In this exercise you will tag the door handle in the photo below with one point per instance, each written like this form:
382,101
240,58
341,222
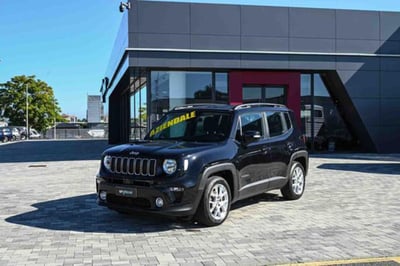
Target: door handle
266,149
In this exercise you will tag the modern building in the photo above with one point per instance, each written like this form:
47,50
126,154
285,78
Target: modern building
94,109
339,70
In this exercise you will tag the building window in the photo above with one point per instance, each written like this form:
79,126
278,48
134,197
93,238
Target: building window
221,88
322,124
174,88
138,109
264,94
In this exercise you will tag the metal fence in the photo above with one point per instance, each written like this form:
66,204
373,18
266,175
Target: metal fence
78,133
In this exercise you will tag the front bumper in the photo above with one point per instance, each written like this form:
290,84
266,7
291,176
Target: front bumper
131,198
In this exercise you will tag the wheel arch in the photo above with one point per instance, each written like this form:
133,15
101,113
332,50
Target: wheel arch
226,171
302,158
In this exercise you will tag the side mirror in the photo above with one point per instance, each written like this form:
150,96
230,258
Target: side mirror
251,136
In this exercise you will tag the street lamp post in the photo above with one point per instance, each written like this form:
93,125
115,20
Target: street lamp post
55,120
27,112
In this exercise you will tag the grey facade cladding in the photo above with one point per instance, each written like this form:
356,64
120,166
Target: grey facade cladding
372,82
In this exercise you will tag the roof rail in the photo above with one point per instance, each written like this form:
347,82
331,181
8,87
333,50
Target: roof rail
249,105
188,106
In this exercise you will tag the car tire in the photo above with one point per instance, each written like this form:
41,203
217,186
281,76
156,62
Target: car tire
294,188
5,139
215,203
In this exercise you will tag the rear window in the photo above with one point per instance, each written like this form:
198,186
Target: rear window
278,123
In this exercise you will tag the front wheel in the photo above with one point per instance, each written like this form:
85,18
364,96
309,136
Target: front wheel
297,180
216,202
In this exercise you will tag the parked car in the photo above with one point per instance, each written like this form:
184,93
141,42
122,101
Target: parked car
5,134
33,134
15,134
199,159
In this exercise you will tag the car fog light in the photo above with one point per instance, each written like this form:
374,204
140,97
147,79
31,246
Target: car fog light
159,202
103,195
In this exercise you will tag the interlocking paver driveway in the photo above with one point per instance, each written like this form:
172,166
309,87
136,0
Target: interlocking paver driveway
48,215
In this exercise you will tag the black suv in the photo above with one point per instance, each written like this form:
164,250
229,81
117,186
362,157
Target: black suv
199,159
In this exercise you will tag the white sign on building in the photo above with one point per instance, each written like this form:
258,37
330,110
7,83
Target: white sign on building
94,109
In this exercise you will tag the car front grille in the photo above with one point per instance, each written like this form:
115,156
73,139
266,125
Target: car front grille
134,166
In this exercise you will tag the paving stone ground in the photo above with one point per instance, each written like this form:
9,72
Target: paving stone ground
48,215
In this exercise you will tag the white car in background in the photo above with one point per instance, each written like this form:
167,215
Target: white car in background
96,133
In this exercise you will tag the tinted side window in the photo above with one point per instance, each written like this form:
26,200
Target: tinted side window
275,124
250,122
288,121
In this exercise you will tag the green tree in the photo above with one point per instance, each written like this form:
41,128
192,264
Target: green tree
43,107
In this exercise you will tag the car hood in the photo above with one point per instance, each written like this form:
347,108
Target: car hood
160,148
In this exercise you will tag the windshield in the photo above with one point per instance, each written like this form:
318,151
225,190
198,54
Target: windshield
193,126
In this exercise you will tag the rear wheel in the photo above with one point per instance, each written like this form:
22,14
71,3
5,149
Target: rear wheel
297,180
216,202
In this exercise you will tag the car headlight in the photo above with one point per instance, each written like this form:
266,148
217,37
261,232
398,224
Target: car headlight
169,166
107,162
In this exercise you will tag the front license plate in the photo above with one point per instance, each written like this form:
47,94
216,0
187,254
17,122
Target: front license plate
126,192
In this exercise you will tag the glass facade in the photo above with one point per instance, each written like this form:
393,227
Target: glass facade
138,108
174,88
322,124
153,93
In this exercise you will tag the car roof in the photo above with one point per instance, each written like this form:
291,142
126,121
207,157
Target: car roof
227,107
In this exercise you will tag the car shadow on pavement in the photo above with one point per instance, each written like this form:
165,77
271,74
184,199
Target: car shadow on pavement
82,214
265,197
373,168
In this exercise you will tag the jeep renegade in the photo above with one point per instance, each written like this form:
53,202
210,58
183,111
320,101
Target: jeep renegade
199,159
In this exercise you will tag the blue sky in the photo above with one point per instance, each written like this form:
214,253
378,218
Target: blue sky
68,43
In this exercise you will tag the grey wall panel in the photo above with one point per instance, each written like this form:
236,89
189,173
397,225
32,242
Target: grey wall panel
390,112
387,139
215,42
368,110
158,59
265,21
312,23
357,46
312,45
357,63
210,19
162,17
252,61
390,26
161,40
264,43
390,85
361,84
359,25
390,64
389,47
308,62
205,60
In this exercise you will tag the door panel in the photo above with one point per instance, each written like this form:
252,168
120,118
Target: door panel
252,159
